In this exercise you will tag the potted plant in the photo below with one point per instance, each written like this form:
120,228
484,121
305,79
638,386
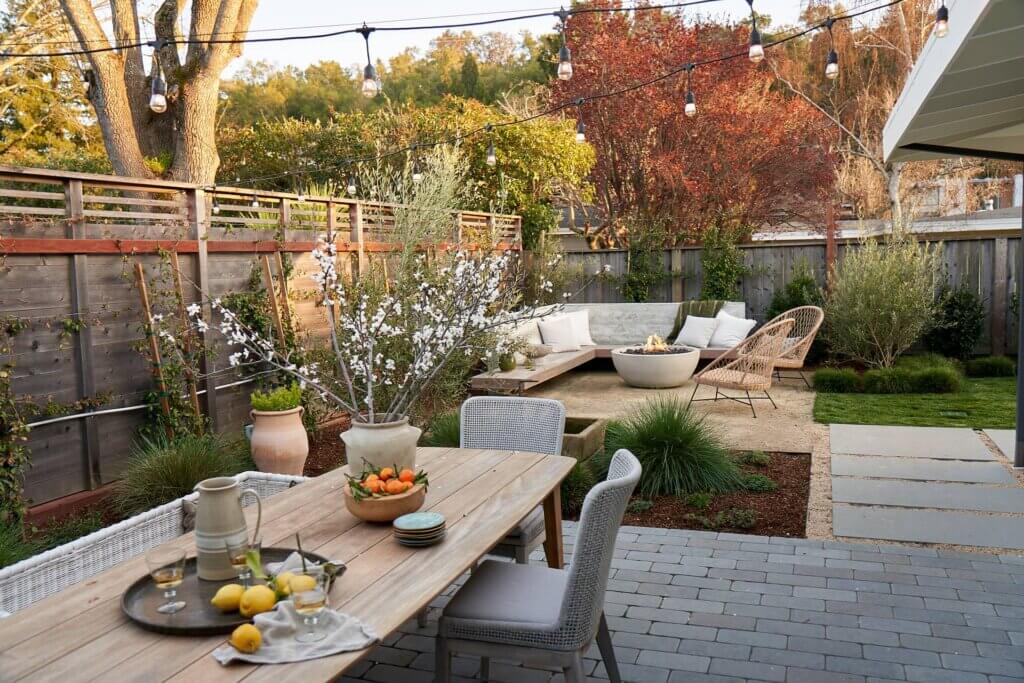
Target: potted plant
279,442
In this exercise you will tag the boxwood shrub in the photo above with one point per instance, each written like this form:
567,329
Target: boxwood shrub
889,381
837,380
936,381
990,366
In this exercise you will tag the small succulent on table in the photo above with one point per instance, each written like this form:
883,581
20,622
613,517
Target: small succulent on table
383,482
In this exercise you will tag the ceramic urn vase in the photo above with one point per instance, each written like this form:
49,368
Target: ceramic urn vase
279,442
389,444
220,523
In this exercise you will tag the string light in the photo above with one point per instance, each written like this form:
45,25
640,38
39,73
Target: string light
756,52
581,128
832,63
417,173
351,186
492,156
690,109
158,87
216,206
255,203
300,197
371,82
564,55
87,78
942,20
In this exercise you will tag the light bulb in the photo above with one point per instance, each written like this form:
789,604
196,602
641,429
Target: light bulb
581,131
158,103
371,86
351,186
756,53
417,176
216,206
691,104
158,88
564,64
492,157
255,203
942,21
832,66
301,198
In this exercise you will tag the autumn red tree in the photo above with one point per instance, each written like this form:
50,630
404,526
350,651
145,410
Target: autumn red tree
751,156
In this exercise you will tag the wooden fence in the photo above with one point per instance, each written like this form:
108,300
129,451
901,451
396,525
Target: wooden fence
988,264
68,245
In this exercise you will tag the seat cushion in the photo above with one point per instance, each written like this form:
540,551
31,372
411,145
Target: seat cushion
733,379
529,528
504,592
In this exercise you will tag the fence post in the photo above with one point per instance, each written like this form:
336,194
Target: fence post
199,225
74,209
1000,298
355,217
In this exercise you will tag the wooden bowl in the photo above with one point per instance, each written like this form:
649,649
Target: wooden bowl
386,508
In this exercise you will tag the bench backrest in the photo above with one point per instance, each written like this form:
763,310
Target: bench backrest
629,323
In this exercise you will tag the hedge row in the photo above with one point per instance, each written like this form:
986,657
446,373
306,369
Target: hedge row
936,380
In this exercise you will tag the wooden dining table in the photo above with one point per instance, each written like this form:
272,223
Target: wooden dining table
81,634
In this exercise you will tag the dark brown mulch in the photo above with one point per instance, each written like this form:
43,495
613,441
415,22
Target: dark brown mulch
782,512
326,449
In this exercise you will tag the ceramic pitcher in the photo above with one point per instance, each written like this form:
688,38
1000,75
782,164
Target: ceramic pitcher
220,523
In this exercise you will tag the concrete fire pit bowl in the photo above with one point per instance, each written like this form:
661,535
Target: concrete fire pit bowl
660,369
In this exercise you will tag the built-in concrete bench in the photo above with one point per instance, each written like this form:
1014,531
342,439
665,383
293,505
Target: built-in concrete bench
611,326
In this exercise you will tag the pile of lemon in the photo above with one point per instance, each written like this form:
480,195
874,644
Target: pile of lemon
254,600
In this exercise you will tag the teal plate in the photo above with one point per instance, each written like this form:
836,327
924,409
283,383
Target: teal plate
421,544
419,521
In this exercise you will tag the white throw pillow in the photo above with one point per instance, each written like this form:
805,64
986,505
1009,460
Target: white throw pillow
696,332
730,331
528,332
559,332
581,327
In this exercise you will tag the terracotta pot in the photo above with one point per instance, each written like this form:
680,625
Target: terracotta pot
279,443
386,508
389,444
220,523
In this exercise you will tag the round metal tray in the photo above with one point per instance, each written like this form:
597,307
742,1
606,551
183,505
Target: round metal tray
199,617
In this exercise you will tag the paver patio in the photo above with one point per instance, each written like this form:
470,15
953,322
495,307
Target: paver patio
693,606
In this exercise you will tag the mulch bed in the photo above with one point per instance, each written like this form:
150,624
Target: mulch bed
782,512
326,449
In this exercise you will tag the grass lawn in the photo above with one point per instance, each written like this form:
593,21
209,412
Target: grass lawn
990,403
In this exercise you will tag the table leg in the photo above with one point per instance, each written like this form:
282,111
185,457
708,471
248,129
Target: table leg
553,528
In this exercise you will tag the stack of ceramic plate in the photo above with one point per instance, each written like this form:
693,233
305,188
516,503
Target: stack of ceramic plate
419,529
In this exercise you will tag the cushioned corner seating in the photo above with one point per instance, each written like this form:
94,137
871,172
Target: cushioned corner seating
611,326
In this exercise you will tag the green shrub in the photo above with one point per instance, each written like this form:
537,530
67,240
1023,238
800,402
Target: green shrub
837,381
574,489
888,381
679,452
701,500
443,432
14,546
755,458
956,327
936,381
161,470
758,483
991,366
738,518
722,265
639,505
71,528
927,361
281,398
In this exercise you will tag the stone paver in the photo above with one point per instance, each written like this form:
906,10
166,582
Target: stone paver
1006,439
946,443
928,526
870,612
927,495
920,469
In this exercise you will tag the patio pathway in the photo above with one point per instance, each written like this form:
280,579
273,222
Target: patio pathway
923,484
696,607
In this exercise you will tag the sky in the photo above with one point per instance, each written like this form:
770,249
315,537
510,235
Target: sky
278,17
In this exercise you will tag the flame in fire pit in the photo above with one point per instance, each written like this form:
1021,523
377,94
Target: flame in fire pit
655,343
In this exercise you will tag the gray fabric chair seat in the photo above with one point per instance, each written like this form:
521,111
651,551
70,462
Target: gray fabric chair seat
527,529
501,592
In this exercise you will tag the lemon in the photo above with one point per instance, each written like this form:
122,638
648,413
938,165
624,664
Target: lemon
302,583
228,597
282,582
246,638
255,600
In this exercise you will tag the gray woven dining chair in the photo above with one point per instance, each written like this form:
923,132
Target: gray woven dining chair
542,616
536,425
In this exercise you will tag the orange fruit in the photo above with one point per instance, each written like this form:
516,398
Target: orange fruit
407,485
373,485
407,475
394,486
387,473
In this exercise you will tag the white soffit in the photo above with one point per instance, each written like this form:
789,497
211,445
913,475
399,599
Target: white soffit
965,95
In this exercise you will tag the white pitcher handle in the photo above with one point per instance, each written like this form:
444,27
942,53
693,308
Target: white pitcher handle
259,509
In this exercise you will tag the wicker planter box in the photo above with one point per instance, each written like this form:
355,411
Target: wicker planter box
33,579
584,436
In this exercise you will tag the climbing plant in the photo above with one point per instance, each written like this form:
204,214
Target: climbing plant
722,263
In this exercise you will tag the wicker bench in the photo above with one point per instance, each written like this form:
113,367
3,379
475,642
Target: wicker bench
35,578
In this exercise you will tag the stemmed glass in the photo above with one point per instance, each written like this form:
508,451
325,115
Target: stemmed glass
167,567
238,555
309,596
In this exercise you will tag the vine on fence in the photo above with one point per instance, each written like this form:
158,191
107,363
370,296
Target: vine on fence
722,263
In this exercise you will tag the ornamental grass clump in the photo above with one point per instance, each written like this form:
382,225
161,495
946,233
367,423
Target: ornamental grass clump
444,432
678,450
991,366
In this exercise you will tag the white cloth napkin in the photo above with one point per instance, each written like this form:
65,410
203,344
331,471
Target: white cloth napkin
293,563
279,626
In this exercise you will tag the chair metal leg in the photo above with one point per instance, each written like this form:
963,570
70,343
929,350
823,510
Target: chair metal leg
751,404
716,394
695,387
604,644
485,668
771,399
804,378
442,661
574,672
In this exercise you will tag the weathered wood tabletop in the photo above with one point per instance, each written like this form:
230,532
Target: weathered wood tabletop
80,634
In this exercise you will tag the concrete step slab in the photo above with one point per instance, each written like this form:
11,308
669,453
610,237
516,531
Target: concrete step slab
920,469
928,526
1006,439
916,494
947,443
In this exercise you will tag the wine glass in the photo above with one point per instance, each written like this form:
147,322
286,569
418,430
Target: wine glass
167,567
238,554
309,596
